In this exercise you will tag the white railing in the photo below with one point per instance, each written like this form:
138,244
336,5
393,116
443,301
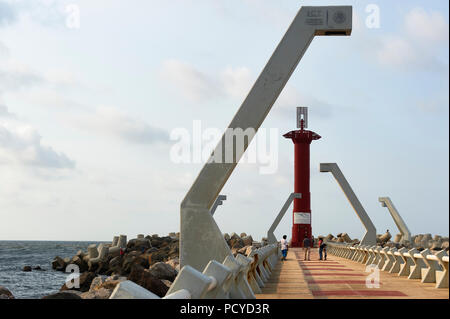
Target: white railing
424,265
237,277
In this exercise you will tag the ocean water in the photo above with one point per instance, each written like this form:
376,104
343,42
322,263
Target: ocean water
14,255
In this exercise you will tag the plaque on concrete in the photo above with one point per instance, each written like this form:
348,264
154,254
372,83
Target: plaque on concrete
302,218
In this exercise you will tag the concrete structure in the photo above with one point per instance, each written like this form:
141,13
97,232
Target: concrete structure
301,217
201,239
370,237
398,220
410,264
270,236
341,278
235,278
219,201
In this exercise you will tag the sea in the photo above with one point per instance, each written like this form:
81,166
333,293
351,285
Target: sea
14,255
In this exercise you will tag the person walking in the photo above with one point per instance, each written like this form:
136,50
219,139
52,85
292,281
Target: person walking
307,247
320,248
284,247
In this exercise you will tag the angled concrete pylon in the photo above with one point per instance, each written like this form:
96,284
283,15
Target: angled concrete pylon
200,238
370,237
398,220
270,236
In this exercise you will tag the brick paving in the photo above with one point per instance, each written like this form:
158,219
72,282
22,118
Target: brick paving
339,278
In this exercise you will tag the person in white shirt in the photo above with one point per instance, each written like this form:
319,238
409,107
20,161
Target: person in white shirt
284,247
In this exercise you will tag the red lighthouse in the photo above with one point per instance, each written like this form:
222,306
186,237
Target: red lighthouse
302,138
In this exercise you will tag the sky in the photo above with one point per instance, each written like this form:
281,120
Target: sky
92,91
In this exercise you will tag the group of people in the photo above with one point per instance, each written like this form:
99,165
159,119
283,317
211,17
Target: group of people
307,244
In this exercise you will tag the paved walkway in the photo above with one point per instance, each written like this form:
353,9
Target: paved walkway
339,278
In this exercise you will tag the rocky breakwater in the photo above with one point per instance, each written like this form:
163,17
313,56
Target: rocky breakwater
5,293
149,261
242,244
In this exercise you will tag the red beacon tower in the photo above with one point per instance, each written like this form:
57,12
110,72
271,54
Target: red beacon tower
302,138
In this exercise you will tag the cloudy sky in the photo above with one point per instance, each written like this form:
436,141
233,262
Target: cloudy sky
88,105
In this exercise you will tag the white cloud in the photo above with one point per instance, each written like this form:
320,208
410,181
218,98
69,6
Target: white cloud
396,51
426,26
8,14
111,121
20,143
193,84
15,76
4,51
424,34
237,82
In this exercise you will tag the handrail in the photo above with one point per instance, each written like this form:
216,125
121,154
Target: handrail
229,279
425,265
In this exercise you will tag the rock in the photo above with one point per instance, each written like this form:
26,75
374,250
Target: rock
38,268
174,262
77,260
397,238
243,235
85,282
236,242
157,256
163,271
168,283
63,295
97,282
80,254
226,237
339,235
139,244
26,268
247,240
249,249
116,261
111,284
436,246
234,236
101,293
130,261
385,237
5,293
242,250
346,238
146,280
58,264
418,239
329,237
340,239
445,245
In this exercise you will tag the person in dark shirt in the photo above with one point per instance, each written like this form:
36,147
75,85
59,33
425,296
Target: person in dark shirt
307,247
322,249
